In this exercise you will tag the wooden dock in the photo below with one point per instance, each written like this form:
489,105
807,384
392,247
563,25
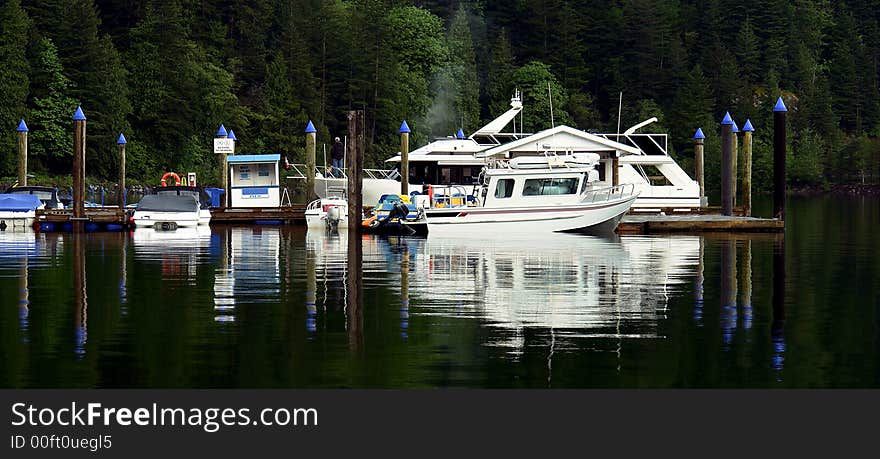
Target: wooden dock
101,215
697,223
279,215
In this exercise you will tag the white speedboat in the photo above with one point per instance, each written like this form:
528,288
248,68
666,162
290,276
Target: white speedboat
327,213
172,207
526,196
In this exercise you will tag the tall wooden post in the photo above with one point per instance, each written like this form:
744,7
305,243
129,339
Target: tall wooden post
223,168
726,164
734,160
747,169
120,146
79,169
779,141
699,138
355,162
22,153
404,158
311,141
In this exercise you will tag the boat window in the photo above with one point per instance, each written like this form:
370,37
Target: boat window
548,186
504,188
654,176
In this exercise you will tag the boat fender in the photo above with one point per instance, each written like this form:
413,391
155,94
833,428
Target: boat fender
170,174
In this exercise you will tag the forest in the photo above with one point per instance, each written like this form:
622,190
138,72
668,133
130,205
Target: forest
167,73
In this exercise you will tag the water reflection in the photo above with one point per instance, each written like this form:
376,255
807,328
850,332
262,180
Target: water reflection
80,296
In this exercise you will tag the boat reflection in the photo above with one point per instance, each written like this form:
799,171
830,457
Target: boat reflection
178,250
248,267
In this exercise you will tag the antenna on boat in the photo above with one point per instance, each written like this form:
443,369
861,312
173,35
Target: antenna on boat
619,112
553,124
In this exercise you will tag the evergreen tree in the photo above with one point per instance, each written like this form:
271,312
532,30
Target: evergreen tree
463,73
14,82
51,141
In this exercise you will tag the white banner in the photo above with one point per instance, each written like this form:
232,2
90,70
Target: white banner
224,146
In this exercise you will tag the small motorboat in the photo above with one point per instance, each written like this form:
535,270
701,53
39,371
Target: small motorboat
17,211
327,213
172,207
527,195
398,214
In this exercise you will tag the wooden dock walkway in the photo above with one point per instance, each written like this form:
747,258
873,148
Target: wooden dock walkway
697,223
111,215
281,215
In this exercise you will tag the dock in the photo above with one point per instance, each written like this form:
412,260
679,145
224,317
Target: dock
260,215
103,217
697,223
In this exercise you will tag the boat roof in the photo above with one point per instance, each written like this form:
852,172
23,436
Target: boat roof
560,138
253,158
169,203
28,189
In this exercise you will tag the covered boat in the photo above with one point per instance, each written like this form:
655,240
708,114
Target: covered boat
167,211
17,211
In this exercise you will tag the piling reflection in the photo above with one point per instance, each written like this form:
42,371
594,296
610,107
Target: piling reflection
354,288
311,290
728,290
80,296
777,330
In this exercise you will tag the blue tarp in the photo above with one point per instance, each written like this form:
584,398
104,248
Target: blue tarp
19,202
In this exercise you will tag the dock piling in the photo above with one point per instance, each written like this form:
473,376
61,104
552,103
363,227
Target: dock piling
22,153
224,168
734,160
779,141
747,169
699,138
404,158
79,169
355,162
727,141
311,142
120,146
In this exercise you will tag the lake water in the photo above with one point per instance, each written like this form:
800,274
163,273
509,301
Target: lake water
275,306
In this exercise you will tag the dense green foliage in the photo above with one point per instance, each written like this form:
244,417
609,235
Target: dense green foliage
168,72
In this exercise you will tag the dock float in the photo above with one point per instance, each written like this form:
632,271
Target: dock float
108,218
696,223
260,215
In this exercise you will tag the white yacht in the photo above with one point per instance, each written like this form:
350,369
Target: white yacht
643,160
533,195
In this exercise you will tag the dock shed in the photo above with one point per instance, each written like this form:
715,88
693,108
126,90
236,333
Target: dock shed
254,180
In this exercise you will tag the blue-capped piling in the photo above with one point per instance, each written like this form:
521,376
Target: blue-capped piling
747,168
79,169
222,167
404,157
780,112
727,145
120,146
311,142
22,152
699,139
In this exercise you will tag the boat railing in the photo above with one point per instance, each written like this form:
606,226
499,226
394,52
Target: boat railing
297,171
314,205
609,193
450,196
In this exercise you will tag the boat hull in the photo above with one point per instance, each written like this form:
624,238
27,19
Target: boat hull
11,221
145,219
598,218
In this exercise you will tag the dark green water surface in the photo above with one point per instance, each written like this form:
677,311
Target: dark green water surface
272,306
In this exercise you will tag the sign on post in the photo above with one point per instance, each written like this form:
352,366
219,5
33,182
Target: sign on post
224,146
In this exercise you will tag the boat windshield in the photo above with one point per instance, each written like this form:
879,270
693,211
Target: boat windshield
43,195
550,186
169,203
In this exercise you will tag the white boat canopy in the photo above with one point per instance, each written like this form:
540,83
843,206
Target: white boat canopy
560,139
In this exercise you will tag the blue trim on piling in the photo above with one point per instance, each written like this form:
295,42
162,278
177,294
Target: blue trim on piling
780,106
404,128
222,131
748,127
79,115
310,128
232,136
460,134
735,127
699,134
121,140
22,127
727,119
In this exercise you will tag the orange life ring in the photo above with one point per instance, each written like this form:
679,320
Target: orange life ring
170,174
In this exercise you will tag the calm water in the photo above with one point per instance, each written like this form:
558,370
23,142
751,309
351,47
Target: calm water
279,307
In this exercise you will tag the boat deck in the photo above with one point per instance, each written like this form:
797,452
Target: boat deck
287,214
